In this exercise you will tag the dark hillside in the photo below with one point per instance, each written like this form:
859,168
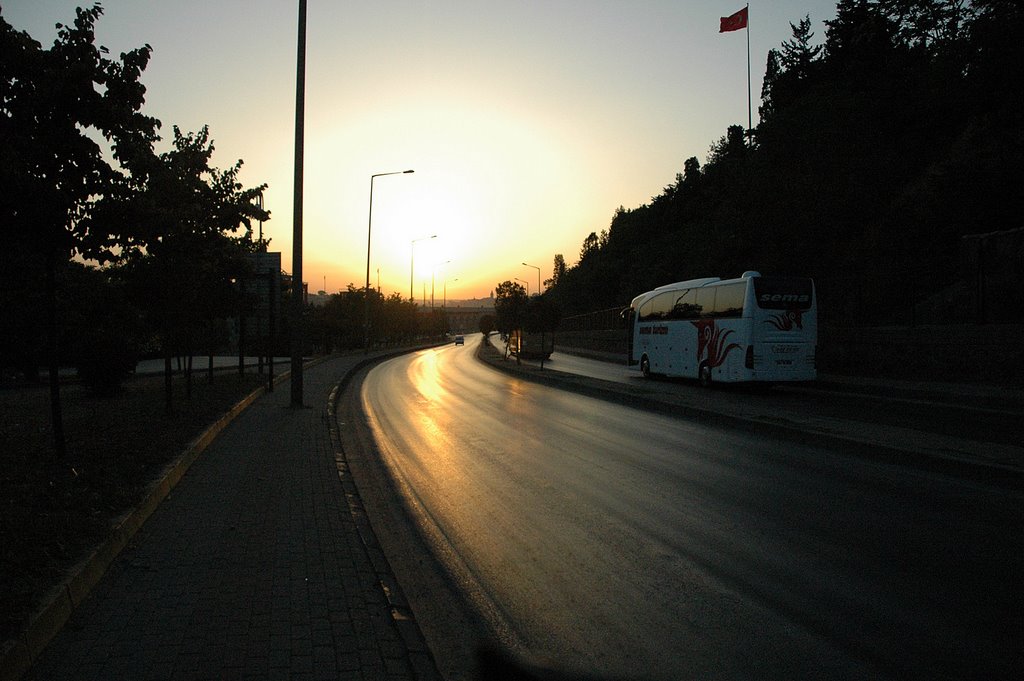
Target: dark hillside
878,151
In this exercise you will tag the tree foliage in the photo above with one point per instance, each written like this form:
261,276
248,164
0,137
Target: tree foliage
509,306
338,325
177,249
82,182
877,151
541,314
52,169
54,103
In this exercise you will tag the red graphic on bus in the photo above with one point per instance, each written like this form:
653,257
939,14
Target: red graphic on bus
787,321
711,342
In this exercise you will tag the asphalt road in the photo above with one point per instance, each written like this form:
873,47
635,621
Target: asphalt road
622,542
983,417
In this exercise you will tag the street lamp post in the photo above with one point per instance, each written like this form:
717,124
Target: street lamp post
526,264
412,259
297,327
366,289
444,300
432,273
527,286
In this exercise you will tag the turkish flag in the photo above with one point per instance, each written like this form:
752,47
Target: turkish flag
734,22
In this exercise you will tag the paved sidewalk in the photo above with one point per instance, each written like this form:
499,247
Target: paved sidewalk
257,566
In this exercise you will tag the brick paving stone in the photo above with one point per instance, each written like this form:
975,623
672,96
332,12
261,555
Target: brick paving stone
256,566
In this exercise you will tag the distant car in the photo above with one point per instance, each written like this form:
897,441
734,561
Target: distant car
460,339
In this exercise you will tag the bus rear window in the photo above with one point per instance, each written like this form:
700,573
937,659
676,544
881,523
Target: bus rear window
783,293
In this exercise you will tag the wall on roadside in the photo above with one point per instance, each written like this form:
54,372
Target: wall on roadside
986,353
611,341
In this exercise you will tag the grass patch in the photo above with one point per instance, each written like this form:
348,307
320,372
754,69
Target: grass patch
55,511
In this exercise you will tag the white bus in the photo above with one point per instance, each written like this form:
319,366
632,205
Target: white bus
754,328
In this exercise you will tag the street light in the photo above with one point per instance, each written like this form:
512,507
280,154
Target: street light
366,289
444,301
538,275
527,286
412,255
432,273
297,327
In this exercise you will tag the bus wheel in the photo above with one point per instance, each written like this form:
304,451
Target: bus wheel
705,375
645,366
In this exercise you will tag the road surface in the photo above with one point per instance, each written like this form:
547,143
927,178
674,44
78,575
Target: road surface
627,543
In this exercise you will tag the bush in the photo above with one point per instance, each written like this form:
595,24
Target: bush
105,360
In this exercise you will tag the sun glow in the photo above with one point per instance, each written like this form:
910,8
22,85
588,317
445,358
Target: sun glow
470,166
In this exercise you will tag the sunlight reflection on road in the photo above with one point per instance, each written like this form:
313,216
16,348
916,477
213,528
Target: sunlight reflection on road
425,378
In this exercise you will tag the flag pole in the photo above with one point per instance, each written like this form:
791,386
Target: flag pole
750,115
735,22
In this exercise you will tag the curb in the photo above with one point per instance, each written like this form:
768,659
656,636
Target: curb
421,659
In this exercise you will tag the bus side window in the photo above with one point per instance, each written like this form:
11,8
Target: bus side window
685,307
663,306
729,300
705,304
645,311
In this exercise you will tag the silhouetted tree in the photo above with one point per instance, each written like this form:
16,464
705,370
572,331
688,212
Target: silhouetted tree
731,148
541,314
590,246
877,151
101,329
558,269
798,56
179,253
509,306
51,167
772,71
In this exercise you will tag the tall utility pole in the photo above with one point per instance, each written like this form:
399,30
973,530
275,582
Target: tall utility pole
298,332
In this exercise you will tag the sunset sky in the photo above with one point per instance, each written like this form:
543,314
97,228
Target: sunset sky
528,122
